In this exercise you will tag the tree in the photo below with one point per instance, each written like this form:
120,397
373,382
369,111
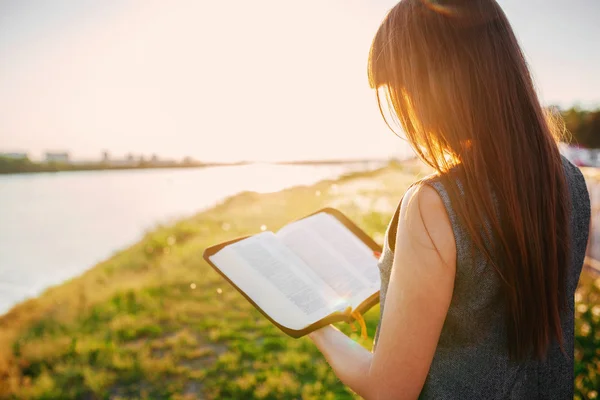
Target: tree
14,165
584,125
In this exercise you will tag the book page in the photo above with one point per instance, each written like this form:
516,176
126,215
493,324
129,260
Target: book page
335,254
277,280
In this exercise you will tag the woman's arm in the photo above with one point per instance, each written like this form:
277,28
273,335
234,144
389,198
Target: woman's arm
418,297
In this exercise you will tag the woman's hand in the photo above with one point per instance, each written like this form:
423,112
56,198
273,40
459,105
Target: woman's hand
350,361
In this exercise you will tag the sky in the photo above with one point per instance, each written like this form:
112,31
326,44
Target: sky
235,80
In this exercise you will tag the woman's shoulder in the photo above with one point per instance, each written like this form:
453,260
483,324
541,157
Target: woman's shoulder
573,173
425,224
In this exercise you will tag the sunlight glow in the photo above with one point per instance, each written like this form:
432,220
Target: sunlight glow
338,303
440,8
219,81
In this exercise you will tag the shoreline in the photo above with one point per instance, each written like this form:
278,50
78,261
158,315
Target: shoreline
87,255
54,169
98,167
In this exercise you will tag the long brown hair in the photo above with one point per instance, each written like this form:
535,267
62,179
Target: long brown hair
455,78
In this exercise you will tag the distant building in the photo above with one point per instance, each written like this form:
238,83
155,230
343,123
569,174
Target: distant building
14,156
105,156
57,157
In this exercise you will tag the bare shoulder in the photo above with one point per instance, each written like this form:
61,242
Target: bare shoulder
424,221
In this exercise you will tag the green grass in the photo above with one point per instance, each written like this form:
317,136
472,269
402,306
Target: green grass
587,337
155,321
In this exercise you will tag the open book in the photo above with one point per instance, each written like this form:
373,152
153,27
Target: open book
311,273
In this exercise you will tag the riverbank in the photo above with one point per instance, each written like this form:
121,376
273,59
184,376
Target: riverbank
156,321
25,166
68,222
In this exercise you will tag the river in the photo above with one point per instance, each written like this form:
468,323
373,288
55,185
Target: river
54,226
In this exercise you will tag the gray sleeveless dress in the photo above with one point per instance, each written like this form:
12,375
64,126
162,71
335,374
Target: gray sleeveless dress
471,360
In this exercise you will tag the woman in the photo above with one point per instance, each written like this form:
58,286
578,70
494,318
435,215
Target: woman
481,260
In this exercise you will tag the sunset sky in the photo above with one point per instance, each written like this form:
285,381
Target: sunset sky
232,80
